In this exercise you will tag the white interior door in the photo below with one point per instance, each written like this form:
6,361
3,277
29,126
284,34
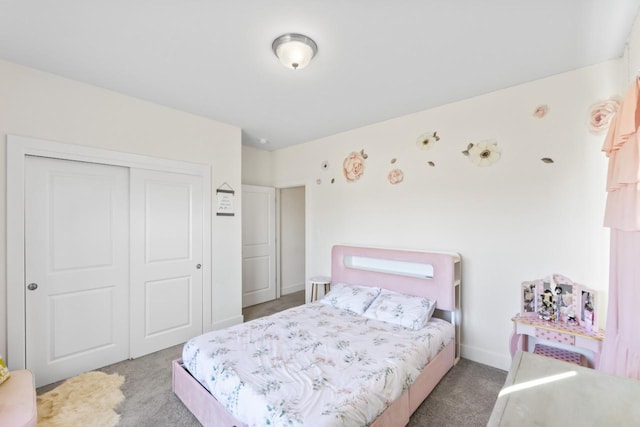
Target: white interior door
166,259
76,267
258,244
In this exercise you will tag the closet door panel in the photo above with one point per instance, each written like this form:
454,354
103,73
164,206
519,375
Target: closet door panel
166,271
76,265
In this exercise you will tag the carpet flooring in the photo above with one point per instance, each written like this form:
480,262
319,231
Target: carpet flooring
464,397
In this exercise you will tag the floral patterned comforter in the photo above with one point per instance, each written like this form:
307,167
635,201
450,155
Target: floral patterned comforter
312,365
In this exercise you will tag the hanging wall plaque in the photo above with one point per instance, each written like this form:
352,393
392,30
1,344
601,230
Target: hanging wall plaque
225,200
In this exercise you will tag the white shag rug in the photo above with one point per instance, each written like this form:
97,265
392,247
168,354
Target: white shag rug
86,400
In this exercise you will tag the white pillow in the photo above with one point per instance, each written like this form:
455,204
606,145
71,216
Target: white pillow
350,297
405,310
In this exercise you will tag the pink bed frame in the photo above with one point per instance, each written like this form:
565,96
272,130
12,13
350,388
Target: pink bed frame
444,287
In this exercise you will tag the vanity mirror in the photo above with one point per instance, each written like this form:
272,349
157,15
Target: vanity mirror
556,298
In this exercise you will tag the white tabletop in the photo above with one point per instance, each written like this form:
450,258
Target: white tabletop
320,279
542,391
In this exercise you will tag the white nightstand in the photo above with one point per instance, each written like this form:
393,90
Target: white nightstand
315,282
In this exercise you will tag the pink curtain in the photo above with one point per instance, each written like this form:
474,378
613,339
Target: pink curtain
621,352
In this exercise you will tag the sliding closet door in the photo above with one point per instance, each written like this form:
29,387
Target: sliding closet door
76,267
166,259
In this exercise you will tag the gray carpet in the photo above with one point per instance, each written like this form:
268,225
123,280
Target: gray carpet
464,397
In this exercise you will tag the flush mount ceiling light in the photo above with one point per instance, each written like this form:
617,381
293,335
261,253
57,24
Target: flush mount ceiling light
294,50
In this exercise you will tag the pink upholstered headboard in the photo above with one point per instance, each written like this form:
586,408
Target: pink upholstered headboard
441,287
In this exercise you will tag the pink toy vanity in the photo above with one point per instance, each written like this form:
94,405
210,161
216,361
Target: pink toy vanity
560,316
553,335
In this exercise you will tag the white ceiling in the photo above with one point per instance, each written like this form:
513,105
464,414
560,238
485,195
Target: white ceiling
377,59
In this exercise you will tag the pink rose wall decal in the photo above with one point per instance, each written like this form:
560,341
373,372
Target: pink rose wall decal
396,176
600,115
541,111
353,166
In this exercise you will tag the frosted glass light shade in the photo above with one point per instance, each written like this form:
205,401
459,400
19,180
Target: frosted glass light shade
294,50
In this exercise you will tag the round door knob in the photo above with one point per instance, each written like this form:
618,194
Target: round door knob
32,286
198,266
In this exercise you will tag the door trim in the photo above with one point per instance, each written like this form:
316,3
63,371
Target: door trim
18,148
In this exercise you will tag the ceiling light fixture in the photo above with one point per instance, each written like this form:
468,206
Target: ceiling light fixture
294,50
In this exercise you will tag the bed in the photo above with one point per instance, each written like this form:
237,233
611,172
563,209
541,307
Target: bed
338,361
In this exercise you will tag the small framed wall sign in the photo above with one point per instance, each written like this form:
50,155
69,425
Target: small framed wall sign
224,199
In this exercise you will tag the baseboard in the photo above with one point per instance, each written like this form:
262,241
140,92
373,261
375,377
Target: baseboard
291,289
497,360
230,321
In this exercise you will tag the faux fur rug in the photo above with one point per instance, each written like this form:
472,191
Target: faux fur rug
86,400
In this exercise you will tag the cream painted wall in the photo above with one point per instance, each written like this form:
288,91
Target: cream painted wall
632,54
517,220
45,106
256,167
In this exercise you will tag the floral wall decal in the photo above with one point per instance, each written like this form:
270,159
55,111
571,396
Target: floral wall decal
318,181
324,166
547,160
600,115
396,176
427,140
483,153
430,163
541,111
393,160
353,166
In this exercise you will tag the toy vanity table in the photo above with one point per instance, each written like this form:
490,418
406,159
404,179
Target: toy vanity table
572,336
560,317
